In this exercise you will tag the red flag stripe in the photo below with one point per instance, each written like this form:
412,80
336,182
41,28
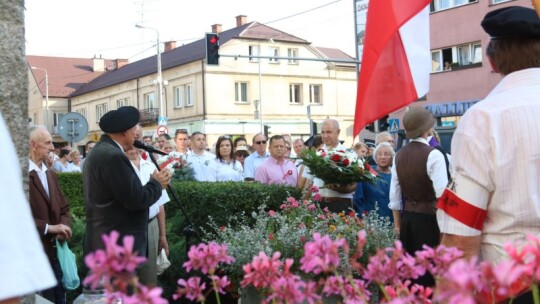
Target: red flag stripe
385,83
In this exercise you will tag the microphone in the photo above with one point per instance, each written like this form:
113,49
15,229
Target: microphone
140,145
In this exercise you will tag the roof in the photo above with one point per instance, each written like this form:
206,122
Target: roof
336,54
193,52
66,75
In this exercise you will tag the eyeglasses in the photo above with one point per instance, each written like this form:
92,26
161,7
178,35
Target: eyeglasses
261,142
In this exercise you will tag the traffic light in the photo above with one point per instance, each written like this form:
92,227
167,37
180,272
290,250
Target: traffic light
371,127
266,130
383,124
212,49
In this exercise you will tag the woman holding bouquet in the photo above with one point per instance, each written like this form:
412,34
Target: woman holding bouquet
368,194
225,166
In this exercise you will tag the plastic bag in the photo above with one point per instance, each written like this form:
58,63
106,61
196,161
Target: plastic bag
162,262
66,257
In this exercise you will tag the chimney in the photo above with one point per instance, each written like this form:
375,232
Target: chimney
241,20
169,45
118,63
216,28
98,64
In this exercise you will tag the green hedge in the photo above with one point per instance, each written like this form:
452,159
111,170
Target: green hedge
198,199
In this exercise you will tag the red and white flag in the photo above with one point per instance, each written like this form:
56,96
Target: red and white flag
396,60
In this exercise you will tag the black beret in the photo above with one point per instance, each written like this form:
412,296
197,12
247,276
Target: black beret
120,120
512,21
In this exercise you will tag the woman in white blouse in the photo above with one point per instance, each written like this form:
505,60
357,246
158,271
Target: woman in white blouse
224,166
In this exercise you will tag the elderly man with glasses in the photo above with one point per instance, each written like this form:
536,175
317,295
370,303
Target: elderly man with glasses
253,161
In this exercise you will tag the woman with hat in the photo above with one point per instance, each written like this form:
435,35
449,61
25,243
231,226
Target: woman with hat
240,154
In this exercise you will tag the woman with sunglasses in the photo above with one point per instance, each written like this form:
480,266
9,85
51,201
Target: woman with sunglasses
225,166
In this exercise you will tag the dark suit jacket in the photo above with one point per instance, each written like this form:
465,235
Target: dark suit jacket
51,210
114,197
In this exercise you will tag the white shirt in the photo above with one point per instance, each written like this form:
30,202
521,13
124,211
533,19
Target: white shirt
41,173
436,170
147,168
25,267
227,171
496,160
324,192
200,165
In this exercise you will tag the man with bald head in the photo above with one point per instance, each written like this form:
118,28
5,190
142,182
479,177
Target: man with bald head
49,206
334,200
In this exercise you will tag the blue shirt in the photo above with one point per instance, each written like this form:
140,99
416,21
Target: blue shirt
253,162
368,194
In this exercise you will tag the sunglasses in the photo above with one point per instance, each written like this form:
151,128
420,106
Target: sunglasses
261,142
241,155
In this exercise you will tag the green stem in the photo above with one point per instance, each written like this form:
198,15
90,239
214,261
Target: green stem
536,295
386,295
218,298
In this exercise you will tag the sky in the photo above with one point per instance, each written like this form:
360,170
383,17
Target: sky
84,28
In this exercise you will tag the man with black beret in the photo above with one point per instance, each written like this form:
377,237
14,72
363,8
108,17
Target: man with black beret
496,147
113,194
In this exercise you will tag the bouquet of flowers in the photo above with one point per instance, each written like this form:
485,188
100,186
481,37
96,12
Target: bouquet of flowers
339,167
177,164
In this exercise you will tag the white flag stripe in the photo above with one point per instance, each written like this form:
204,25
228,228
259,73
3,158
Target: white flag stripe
415,38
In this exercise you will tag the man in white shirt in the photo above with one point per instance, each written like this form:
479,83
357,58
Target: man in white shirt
496,146
157,237
199,159
334,200
256,158
418,179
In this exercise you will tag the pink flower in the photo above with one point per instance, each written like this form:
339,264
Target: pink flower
262,270
314,189
207,257
145,295
438,260
291,200
310,293
317,197
461,280
321,255
220,283
191,289
311,207
287,290
271,213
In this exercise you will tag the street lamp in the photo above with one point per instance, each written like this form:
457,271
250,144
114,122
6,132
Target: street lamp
159,77
46,96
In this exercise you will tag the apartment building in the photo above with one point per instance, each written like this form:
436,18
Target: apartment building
237,97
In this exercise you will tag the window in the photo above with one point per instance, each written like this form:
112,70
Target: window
254,51
183,95
57,117
315,91
101,109
295,93
240,91
460,55
499,1
274,52
438,5
122,102
82,112
189,95
292,53
150,101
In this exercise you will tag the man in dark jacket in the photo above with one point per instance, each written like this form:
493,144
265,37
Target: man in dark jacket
50,209
113,194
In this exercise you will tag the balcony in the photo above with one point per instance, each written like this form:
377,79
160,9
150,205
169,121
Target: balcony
149,116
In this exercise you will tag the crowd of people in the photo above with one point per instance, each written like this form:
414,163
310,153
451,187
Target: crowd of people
495,164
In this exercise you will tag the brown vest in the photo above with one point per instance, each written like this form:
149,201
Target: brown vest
416,186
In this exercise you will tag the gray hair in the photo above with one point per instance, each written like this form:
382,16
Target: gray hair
333,122
32,131
380,136
380,146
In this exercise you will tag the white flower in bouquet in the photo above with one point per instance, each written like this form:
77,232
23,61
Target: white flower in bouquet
171,162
